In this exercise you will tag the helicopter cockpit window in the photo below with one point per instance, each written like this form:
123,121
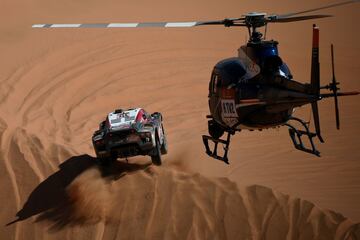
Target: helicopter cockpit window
211,85
248,52
232,72
214,83
285,69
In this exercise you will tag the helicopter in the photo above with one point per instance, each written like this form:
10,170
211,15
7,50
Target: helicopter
256,89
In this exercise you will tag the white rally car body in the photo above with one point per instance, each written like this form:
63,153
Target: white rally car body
131,132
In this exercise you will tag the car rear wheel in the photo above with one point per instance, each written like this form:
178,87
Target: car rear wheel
156,158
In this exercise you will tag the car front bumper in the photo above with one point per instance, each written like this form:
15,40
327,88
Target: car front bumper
126,146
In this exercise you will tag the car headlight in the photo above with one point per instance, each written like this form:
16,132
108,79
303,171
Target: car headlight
99,142
145,135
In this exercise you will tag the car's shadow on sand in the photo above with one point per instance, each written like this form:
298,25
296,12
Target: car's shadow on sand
50,196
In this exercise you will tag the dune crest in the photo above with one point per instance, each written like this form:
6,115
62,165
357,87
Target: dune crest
163,203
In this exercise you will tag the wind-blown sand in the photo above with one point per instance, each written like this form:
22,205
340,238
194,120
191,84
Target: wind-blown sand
57,84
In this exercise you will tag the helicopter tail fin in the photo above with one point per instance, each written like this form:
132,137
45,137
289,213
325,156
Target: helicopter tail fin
315,65
315,79
315,111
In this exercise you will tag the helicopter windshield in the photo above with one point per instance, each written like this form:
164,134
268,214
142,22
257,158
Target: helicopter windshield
262,51
265,56
231,70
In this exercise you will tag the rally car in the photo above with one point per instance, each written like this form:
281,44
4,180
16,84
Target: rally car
130,132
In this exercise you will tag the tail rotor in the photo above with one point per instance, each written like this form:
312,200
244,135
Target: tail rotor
333,87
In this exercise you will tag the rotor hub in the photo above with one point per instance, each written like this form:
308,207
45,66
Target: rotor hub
255,19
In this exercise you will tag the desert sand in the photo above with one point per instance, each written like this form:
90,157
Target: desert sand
58,84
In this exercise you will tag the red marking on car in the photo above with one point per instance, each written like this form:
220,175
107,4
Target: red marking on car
139,115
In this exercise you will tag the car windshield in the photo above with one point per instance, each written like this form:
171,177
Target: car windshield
128,118
117,120
122,117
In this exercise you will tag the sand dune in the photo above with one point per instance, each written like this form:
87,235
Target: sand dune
136,201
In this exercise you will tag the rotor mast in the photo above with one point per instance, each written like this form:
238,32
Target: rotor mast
253,21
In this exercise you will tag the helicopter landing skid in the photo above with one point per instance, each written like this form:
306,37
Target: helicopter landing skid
296,135
214,153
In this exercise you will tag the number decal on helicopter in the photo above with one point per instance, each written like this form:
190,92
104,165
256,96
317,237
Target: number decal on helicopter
228,109
231,122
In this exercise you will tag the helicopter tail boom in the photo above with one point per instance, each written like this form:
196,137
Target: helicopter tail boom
339,94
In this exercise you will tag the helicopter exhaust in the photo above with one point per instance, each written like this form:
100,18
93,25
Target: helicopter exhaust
315,80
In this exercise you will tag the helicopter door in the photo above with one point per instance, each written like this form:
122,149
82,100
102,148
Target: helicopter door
214,94
214,86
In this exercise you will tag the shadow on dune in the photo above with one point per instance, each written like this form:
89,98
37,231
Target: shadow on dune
50,198
163,203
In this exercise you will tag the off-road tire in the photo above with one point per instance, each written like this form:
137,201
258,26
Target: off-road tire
164,146
156,158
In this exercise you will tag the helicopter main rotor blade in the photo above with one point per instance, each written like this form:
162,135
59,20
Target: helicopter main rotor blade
319,8
225,22
117,25
278,19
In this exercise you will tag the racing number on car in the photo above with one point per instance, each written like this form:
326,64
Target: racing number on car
228,108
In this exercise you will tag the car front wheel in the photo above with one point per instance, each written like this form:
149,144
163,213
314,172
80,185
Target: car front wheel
164,147
156,157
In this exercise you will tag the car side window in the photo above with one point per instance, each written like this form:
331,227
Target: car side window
148,116
102,125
